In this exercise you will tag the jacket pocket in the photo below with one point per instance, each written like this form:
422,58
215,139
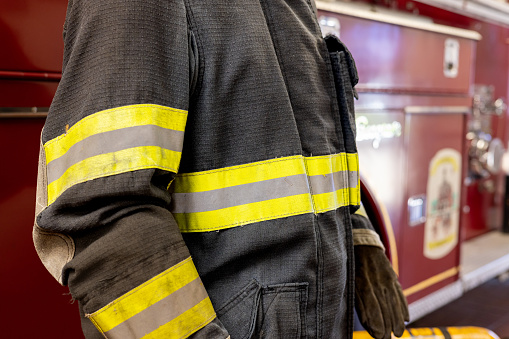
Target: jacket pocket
271,312
345,79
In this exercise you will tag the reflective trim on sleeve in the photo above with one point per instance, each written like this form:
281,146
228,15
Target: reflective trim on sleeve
174,304
115,141
266,190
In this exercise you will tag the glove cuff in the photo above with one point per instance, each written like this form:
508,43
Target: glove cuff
366,237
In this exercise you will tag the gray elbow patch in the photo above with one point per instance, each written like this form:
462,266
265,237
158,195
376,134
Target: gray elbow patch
54,249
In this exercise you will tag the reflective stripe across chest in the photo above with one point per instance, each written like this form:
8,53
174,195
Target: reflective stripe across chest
266,190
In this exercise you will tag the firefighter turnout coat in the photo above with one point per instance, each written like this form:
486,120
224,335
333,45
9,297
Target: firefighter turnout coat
198,170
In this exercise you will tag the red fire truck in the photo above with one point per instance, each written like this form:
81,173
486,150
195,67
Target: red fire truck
431,131
431,134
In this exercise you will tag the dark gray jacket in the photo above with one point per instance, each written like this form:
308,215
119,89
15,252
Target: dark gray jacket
214,129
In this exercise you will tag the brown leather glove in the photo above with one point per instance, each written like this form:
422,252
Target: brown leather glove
379,300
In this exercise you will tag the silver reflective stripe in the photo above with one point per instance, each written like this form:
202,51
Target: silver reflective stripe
239,195
160,313
261,191
113,141
333,181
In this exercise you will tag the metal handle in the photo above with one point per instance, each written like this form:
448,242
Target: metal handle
23,112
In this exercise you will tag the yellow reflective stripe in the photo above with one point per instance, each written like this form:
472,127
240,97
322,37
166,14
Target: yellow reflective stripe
244,214
144,296
353,165
115,141
239,175
326,164
266,190
114,119
352,161
330,201
187,323
114,163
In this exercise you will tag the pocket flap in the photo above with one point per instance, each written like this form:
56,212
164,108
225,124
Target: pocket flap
239,314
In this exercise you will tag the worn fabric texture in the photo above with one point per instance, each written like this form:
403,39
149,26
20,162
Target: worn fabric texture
258,82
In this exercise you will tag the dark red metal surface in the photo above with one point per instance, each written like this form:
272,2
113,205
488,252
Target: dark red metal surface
17,93
31,35
32,303
490,67
396,58
372,206
425,135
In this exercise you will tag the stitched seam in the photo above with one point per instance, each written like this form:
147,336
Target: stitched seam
61,236
313,202
334,103
67,240
201,50
319,283
245,292
346,178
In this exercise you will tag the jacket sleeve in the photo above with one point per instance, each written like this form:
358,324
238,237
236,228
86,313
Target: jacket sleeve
110,148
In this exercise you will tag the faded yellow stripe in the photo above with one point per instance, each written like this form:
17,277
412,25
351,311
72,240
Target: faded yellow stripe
239,175
431,281
144,296
187,323
115,119
114,163
244,214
